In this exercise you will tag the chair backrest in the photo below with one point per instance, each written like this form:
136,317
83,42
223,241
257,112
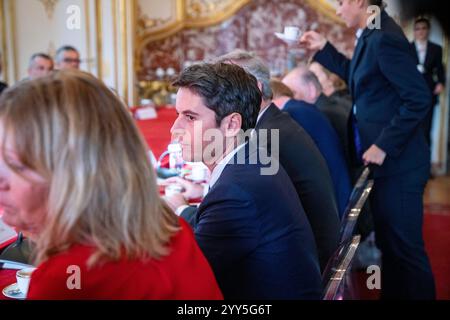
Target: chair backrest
356,202
337,268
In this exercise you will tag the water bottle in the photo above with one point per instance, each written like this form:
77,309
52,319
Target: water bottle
176,161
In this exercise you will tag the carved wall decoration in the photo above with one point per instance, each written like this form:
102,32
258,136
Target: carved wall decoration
197,9
251,28
49,6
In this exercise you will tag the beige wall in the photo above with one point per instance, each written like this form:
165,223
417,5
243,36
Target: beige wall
104,37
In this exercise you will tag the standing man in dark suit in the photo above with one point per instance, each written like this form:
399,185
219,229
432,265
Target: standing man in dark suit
390,102
251,225
429,63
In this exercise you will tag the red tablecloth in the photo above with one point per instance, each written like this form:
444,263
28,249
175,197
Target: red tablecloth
156,133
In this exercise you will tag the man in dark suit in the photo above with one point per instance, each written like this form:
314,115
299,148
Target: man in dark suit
335,102
251,225
390,102
299,156
306,90
429,63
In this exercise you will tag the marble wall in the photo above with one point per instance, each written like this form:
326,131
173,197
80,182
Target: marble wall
251,28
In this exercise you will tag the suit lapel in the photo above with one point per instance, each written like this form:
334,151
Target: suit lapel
416,54
428,55
271,110
360,47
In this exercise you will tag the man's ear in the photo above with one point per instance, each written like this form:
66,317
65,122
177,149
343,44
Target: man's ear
260,87
231,124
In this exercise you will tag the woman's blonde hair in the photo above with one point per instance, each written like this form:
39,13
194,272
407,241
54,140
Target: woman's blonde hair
70,128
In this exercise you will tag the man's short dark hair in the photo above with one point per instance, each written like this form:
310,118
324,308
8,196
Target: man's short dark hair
423,20
59,52
376,3
225,88
40,55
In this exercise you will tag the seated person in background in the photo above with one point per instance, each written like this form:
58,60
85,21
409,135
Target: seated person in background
335,102
251,225
67,57
78,181
299,156
306,89
40,65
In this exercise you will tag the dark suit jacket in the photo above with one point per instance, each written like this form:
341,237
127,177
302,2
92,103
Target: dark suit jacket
309,173
3,87
337,109
434,69
322,132
255,234
390,95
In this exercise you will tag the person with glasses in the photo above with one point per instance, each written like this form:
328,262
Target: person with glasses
429,63
67,57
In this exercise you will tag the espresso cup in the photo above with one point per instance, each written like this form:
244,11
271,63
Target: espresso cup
291,33
23,279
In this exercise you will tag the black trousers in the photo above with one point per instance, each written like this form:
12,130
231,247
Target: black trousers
427,122
397,207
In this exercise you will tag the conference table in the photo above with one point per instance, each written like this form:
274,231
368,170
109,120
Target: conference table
156,133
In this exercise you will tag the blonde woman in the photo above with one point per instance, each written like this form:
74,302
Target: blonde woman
74,175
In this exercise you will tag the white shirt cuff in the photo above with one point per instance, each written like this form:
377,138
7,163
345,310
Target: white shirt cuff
180,209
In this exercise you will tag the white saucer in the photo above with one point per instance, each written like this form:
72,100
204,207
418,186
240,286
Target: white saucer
10,292
282,36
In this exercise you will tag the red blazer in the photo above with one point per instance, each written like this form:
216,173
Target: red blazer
182,275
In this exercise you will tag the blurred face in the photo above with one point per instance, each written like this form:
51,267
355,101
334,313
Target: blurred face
350,11
194,126
70,60
40,68
421,31
23,192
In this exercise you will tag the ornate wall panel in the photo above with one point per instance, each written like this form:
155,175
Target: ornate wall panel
251,27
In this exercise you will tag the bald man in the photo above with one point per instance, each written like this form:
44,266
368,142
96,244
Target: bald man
306,89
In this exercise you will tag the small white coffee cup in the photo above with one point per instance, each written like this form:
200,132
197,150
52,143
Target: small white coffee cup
199,172
173,189
23,279
291,32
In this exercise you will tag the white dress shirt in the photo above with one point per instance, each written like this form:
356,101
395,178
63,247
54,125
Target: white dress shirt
421,48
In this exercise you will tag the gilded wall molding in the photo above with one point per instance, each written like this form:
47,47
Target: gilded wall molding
12,16
443,116
325,8
4,48
99,38
49,6
205,13
88,33
190,14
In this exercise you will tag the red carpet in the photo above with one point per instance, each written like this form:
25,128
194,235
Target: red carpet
156,132
437,242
